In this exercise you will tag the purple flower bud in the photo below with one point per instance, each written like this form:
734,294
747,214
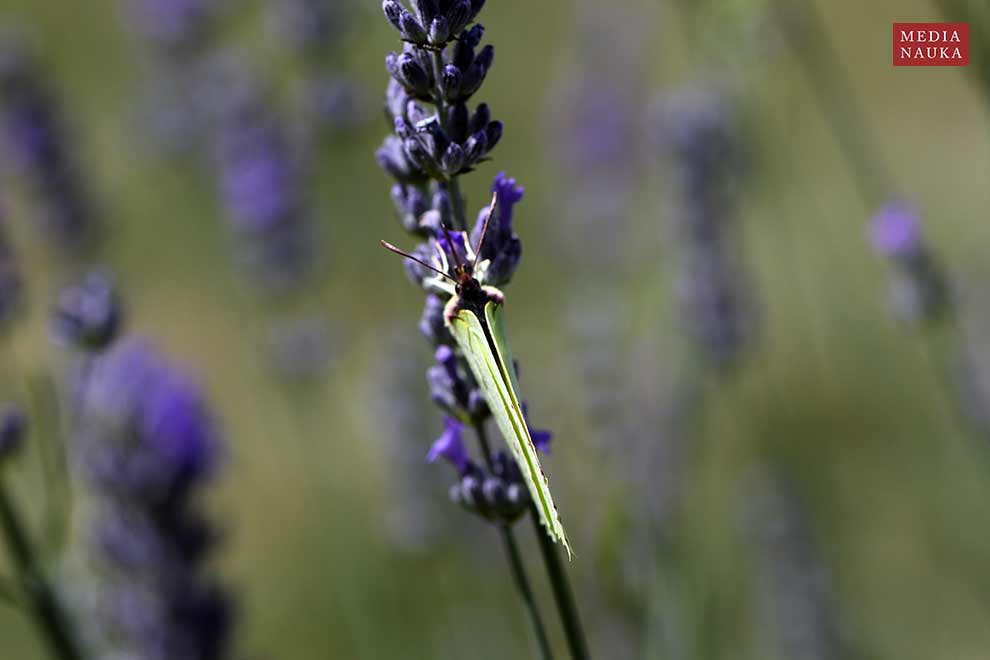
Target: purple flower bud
476,147
411,29
472,37
392,158
452,160
444,208
427,10
411,205
494,134
402,128
457,122
396,98
493,490
502,246
393,12
88,314
439,31
431,324
450,83
919,290
417,114
480,119
450,446
408,71
458,16
896,230
485,58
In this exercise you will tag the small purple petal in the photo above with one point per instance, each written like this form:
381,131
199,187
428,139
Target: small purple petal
450,445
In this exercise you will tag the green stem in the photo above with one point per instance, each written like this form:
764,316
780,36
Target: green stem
525,591
519,576
457,202
48,613
562,593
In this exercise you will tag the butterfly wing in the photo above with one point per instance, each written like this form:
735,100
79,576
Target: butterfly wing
492,366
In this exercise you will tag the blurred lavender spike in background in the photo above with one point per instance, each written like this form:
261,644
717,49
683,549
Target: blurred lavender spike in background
593,115
698,133
311,27
796,600
262,183
37,144
177,35
919,291
147,446
316,35
593,112
172,25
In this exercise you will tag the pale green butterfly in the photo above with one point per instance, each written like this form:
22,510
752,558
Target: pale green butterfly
475,319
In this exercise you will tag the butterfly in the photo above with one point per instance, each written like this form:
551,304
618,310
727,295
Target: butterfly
474,315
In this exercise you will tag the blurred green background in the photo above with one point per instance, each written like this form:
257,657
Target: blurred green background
339,545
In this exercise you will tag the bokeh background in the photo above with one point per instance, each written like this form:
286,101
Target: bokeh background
339,538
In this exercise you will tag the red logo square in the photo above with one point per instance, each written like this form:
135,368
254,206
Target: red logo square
931,44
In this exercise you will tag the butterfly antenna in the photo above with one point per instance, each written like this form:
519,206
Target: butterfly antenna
453,248
484,230
391,248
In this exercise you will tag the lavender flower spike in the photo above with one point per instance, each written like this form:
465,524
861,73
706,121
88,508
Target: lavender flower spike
261,184
172,25
36,142
148,445
700,139
437,138
918,290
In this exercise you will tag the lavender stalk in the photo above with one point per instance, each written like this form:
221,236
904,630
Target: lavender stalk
794,580
316,34
437,139
177,35
148,445
37,143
